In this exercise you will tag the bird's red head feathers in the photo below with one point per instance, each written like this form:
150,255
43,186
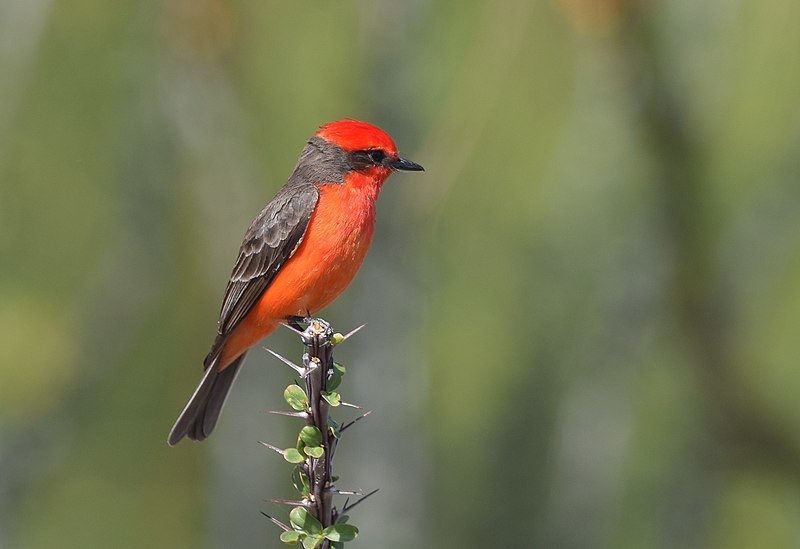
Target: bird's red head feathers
354,135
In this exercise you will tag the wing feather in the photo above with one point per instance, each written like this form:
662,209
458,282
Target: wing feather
268,244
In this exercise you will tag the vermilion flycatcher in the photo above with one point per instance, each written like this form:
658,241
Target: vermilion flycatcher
298,255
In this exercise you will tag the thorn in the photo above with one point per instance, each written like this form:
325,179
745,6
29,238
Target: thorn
346,508
276,522
294,502
271,447
302,415
348,492
353,332
347,404
303,372
351,423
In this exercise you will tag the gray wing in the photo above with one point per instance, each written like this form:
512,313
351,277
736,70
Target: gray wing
268,244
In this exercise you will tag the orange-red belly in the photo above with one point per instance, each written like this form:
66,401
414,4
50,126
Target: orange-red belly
333,248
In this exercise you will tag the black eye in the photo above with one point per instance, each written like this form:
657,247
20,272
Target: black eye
376,155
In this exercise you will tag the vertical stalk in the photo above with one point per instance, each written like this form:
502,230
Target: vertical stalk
319,358
314,521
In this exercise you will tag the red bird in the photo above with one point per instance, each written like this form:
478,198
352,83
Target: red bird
298,255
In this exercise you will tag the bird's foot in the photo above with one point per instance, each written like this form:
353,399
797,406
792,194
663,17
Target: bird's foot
297,321
294,322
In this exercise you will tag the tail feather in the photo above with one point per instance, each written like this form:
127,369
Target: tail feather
200,415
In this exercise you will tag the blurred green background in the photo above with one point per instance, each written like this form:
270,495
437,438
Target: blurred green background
582,319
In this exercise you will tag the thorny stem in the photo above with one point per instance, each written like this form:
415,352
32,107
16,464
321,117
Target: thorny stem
319,351
316,372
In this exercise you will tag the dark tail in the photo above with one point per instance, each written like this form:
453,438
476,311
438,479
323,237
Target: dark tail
201,413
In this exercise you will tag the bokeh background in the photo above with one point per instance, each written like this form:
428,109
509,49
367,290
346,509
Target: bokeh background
582,319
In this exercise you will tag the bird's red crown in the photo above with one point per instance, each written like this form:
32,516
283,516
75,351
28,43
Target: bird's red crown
354,135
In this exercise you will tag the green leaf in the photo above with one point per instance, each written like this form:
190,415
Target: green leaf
310,542
304,521
333,383
291,537
336,377
332,397
342,519
293,455
300,481
311,436
314,451
340,532
296,397
334,427
336,338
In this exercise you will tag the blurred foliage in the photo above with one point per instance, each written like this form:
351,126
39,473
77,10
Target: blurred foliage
584,316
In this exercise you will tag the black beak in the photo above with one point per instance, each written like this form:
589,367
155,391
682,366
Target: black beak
405,165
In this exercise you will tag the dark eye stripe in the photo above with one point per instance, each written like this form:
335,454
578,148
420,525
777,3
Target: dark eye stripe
370,157
376,155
